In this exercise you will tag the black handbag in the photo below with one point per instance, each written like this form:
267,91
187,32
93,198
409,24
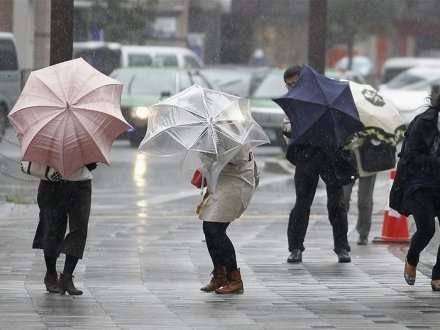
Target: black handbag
377,157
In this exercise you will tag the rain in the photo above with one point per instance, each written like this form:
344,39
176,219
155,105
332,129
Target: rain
219,164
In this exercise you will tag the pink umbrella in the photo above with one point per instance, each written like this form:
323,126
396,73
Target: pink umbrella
68,115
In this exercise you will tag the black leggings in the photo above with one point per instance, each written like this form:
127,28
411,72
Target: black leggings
425,206
219,245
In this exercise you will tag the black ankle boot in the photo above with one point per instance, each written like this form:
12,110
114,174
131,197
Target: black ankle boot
51,282
66,284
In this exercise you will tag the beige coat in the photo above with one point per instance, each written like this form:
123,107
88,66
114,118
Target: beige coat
236,185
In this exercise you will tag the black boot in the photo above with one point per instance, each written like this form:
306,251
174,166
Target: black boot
295,256
343,256
51,282
66,284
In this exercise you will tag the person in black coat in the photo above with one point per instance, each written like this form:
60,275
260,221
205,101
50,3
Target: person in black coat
419,171
311,163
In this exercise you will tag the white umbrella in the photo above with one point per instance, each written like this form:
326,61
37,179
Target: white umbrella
375,110
206,127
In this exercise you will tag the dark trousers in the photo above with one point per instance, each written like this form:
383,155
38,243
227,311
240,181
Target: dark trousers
61,204
425,206
306,181
365,203
219,245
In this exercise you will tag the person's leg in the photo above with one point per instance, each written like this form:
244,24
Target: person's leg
305,188
226,250
218,279
79,212
423,212
365,206
337,214
348,189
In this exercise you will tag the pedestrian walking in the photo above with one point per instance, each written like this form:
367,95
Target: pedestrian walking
63,203
312,162
236,185
416,189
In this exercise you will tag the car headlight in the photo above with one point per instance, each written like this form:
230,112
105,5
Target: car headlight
140,113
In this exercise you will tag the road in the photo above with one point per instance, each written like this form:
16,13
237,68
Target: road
146,260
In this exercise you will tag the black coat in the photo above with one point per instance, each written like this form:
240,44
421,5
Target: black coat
337,167
419,163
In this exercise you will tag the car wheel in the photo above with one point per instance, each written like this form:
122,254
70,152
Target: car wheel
3,120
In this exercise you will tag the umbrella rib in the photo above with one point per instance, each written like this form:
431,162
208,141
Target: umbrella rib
104,85
320,88
179,107
214,134
90,135
49,89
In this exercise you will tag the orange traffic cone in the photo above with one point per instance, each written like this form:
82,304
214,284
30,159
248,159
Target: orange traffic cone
395,225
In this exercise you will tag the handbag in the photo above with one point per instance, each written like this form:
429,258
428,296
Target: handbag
40,171
377,157
197,179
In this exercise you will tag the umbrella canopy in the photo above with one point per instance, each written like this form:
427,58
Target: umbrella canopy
321,110
68,115
206,127
375,111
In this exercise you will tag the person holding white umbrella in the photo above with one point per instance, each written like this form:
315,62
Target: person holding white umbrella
374,147
215,133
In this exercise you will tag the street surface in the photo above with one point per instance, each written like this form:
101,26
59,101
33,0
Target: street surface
146,260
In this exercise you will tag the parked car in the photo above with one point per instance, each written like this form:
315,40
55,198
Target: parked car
361,65
409,91
238,80
10,78
180,57
108,56
394,66
145,86
103,56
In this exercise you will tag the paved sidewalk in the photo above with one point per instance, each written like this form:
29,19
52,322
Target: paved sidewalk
144,272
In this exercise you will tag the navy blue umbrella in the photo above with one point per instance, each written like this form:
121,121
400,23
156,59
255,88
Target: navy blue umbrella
321,110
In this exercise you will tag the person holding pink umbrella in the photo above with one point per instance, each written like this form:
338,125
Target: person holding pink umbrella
66,118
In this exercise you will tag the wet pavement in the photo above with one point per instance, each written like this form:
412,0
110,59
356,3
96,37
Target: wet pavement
146,260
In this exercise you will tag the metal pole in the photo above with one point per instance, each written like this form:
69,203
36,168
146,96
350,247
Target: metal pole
317,34
61,31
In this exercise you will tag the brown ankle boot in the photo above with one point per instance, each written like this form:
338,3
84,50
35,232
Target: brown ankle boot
217,280
234,284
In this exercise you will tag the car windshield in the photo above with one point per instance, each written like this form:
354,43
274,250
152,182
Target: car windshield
230,81
272,86
147,82
424,85
404,79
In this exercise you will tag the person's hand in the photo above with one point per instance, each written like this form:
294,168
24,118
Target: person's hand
56,177
199,207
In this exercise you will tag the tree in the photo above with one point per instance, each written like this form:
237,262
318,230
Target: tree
347,19
124,21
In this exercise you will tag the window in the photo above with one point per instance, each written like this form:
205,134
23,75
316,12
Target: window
139,60
191,62
8,55
166,60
